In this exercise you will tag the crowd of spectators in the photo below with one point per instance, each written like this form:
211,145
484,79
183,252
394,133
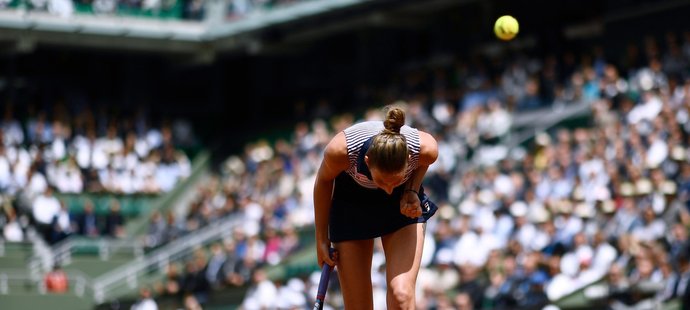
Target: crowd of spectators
269,188
70,152
604,202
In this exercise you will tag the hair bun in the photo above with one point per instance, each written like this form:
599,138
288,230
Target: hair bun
395,119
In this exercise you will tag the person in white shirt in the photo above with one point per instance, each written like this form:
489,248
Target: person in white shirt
262,294
44,208
652,228
61,224
5,170
145,301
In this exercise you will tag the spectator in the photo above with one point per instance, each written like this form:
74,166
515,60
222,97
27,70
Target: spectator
87,221
145,301
262,293
45,207
114,221
156,230
56,280
61,225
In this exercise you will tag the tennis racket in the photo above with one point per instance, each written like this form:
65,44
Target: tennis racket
323,284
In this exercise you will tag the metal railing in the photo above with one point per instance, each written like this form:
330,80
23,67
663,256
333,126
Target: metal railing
106,248
81,283
129,273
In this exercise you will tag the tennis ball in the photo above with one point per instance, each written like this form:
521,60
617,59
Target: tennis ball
506,27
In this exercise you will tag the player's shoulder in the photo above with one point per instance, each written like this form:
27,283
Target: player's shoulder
335,154
337,147
428,147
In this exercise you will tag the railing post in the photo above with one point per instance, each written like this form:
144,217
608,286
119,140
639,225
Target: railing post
163,261
132,278
98,294
138,251
42,287
79,286
4,287
103,250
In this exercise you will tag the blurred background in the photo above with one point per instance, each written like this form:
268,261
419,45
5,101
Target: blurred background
161,153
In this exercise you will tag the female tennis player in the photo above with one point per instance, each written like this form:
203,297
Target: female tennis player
369,186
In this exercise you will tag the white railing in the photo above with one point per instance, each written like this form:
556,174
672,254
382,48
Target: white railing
81,284
543,119
62,252
42,258
128,274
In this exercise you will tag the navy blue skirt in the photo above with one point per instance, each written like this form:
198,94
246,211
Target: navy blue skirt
359,213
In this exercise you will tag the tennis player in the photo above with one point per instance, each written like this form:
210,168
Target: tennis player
369,186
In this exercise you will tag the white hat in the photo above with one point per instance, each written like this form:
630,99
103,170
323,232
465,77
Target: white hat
518,209
446,212
486,196
543,138
607,206
539,215
678,153
584,210
643,186
564,206
467,207
669,188
627,189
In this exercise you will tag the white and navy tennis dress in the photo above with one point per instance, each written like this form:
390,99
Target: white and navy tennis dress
360,210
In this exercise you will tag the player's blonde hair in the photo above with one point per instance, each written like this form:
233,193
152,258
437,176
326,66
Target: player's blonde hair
388,151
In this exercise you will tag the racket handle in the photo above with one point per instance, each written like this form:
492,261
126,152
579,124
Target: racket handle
323,284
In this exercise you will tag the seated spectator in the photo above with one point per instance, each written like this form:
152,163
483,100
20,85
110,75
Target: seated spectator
194,281
87,221
145,301
45,207
262,293
61,226
156,230
114,221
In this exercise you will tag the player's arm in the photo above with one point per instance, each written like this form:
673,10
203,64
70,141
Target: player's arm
335,161
427,155
410,205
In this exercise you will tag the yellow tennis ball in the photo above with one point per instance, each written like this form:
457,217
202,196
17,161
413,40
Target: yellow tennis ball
506,27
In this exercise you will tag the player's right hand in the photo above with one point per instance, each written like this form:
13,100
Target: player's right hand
323,253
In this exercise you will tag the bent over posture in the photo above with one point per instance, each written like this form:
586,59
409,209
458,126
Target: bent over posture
369,186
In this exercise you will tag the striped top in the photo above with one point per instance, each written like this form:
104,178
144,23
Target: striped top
358,134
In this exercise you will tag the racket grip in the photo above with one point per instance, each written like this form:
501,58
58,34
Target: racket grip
323,284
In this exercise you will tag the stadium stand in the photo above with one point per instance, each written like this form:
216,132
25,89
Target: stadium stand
562,180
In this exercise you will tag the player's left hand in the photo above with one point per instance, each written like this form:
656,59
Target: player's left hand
410,205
